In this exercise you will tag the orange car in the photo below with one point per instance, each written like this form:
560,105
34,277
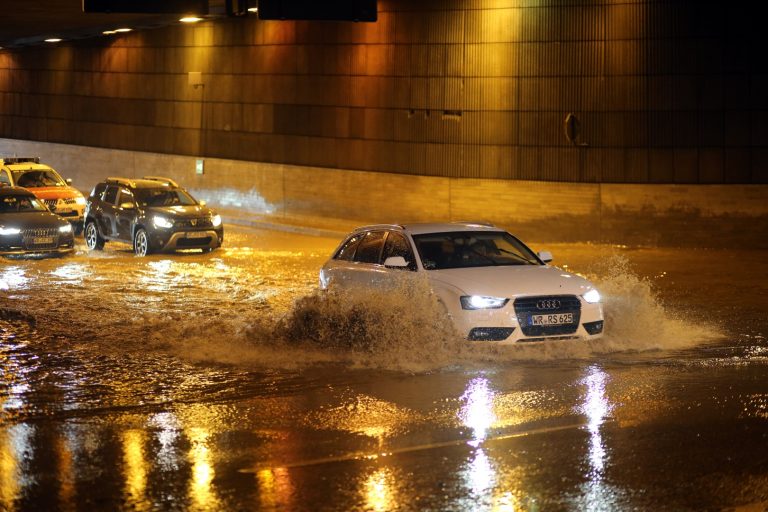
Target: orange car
47,185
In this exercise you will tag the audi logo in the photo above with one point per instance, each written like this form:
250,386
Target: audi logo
548,304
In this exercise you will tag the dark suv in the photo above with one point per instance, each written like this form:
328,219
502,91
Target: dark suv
152,213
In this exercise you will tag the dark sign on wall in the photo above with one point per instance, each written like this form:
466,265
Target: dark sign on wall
338,10
147,6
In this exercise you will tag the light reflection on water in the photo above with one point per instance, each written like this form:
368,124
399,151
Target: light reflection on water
12,278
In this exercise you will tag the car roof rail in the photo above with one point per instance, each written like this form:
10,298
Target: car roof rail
399,227
121,181
20,160
484,223
161,179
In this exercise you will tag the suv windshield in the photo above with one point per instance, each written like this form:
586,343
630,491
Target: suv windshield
38,178
15,204
163,197
460,249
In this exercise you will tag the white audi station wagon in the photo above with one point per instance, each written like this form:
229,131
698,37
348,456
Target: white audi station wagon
491,284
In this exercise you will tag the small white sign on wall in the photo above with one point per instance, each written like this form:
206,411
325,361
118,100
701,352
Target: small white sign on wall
199,166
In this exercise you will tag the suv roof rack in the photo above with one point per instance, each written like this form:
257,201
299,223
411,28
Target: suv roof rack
121,181
167,181
20,160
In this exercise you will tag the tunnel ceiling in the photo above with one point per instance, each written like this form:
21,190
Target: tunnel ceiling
28,22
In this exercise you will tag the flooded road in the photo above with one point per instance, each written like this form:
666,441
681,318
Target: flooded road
185,382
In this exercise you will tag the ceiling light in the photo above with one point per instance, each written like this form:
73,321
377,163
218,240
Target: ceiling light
108,32
123,29
253,9
53,40
190,19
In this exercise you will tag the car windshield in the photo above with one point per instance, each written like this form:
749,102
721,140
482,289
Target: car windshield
163,197
19,203
38,178
461,249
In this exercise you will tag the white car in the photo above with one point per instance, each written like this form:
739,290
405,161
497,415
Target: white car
492,285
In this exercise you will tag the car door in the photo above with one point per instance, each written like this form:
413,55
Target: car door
107,212
125,214
357,262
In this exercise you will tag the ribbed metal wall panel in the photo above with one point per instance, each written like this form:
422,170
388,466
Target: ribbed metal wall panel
663,91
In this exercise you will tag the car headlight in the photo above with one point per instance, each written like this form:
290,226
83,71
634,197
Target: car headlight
216,221
592,296
9,231
162,222
66,229
80,200
482,302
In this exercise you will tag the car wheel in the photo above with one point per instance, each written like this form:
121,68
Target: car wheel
92,238
141,243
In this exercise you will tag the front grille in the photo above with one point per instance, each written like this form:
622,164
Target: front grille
526,307
51,204
203,222
33,238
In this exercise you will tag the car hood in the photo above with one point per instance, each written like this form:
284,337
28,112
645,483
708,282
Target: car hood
55,192
31,220
180,212
512,281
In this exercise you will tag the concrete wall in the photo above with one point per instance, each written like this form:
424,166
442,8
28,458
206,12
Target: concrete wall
663,91
335,200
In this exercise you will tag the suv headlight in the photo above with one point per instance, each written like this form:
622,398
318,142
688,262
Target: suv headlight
162,222
80,200
592,296
9,231
66,229
482,302
216,221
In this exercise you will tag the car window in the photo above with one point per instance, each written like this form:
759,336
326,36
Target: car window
370,247
163,196
38,178
472,249
110,195
4,177
98,190
347,251
397,245
125,196
20,203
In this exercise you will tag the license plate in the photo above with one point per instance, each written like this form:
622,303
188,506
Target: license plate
553,319
197,234
40,240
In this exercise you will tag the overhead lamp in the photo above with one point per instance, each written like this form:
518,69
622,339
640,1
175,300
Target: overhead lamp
53,40
123,29
190,19
109,32
253,9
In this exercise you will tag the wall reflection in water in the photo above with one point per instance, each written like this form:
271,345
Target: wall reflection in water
480,474
135,467
380,490
14,444
597,494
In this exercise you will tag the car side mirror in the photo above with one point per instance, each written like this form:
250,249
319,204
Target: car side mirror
395,262
128,206
68,181
544,256
202,203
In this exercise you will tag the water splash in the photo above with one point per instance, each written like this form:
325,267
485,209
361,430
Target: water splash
242,320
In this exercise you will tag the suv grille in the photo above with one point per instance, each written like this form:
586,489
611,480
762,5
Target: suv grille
46,238
526,307
202,222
